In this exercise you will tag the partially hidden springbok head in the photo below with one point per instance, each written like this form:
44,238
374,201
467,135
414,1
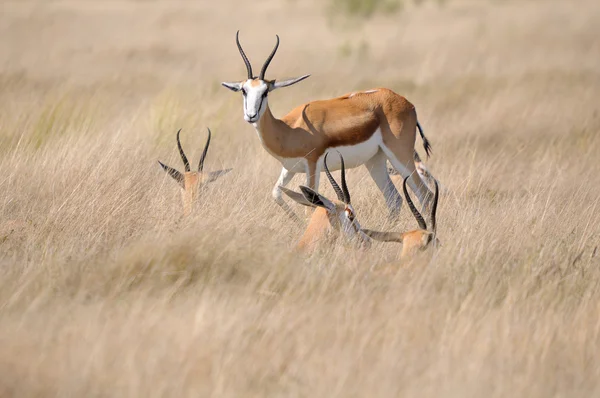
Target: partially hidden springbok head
418,239
255,89
192,181
331,217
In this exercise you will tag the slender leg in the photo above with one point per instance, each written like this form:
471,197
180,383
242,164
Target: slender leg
420,188
313,171
399,147
284,178
378,171
313,175
406,167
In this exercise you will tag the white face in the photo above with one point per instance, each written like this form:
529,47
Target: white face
255,94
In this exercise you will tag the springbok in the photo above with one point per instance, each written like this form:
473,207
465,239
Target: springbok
418,239
330,216
424,173
367,127
191,181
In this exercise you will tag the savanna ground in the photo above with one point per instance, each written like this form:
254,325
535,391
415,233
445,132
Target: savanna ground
106,291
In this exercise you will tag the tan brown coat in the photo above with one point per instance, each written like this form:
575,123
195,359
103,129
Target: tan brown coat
368,128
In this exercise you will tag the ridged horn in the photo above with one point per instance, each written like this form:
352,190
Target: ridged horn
186,164
435,204
243,54
344,186
268,61
413,209
201,164
336,187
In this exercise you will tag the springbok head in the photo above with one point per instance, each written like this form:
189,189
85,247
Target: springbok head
255,89
417,240
336,215
191,181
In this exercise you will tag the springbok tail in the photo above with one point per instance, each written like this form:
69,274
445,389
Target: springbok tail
426,143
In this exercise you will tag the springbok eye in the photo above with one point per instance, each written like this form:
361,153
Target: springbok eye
265,94
243,91
350,215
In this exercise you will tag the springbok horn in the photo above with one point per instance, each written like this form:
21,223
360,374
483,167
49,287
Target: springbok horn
412,207
201,164
268,61
435,203
186,164
243,54
334,184
344,186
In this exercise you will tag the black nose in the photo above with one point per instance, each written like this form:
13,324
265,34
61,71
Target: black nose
251,116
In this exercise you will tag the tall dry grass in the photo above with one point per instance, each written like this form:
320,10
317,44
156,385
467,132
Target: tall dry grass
106,291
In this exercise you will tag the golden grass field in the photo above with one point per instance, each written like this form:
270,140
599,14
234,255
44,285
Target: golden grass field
105,291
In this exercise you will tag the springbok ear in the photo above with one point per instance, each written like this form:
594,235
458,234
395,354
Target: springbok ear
384,236
285,83
297,197
317,199
177,176
237,86
213,175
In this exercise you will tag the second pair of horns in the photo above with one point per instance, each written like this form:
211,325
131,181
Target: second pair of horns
415,212
186,164
247,62
342,193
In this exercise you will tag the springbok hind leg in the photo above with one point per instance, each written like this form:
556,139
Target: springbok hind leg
404,163
378,171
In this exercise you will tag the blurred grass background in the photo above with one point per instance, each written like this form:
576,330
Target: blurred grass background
106,291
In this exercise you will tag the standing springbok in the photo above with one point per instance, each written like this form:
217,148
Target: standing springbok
367,127
330,216
418,239
191,181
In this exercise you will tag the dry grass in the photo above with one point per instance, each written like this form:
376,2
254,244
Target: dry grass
105,291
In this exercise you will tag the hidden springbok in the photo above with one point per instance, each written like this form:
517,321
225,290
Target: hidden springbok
331,217
367,127
418,239
192,181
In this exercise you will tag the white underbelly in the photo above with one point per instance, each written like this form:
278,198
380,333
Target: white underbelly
354,156
295,165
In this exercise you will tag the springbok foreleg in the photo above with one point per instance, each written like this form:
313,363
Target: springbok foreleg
284,178
313,174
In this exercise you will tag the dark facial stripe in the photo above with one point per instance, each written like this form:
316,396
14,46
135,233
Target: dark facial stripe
260,105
